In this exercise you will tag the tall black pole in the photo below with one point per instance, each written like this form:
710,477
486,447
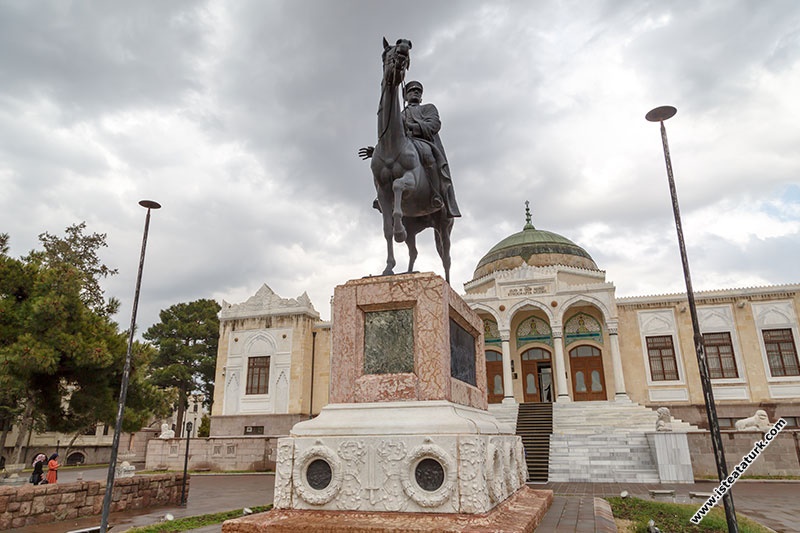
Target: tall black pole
126,371
185,464
660,114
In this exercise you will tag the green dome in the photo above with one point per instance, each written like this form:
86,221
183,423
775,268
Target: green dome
536,248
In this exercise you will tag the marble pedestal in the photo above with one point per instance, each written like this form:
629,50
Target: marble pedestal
407,433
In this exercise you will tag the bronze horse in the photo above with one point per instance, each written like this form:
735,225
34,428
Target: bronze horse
401,180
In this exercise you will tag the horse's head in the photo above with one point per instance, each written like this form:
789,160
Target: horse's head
396,60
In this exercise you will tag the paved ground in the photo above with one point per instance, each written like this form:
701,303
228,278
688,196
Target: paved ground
772,503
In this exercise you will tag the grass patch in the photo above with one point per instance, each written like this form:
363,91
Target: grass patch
194,522
674,517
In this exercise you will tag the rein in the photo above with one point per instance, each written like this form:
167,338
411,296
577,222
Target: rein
391,103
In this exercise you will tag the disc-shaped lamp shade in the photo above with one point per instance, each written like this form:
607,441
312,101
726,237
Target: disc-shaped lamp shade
150,204
661,114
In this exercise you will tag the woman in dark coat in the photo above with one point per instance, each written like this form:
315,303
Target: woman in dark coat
38,466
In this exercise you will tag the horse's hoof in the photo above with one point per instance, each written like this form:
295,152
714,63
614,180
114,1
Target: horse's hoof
388,272
400,236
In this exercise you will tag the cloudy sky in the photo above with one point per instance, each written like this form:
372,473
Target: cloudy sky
243,120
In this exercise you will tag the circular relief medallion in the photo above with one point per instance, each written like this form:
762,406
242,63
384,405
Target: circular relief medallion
317,475
430,477
429,474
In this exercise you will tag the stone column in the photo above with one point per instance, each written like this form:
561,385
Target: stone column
560,365
508,384
616,361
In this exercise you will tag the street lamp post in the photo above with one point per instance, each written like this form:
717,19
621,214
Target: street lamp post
660,114
185,464
126,371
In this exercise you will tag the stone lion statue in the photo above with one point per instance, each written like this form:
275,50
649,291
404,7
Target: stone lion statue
664,421
759,421
166,432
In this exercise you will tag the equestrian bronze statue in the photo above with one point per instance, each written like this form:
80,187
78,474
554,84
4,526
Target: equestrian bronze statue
409,165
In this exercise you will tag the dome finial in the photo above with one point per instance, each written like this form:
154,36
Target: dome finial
528,224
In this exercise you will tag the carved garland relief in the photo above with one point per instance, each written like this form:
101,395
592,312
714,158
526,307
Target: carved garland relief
495,471
283,477
472,475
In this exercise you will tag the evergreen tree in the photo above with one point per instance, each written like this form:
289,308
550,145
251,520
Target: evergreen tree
61,356
186,338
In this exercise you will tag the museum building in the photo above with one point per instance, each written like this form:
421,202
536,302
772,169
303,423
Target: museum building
575,370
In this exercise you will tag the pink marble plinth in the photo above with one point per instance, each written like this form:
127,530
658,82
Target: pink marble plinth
433,303
520,513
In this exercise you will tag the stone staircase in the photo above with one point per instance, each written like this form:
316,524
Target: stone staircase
604,442
505,413
535,426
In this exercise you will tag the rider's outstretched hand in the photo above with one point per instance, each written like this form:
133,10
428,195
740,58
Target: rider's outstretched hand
366,152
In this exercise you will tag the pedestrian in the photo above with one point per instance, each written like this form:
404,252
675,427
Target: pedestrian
52,469
38,467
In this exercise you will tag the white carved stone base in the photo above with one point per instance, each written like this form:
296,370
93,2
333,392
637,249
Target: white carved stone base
433,456
671,452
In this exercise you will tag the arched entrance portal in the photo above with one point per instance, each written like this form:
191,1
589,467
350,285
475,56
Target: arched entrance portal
494,376
586,365
537,376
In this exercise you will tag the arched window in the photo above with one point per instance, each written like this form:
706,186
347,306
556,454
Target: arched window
535,354
491,355
76,458
584,350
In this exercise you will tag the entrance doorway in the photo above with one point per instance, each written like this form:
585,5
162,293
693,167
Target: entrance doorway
586,366
494,376
537,376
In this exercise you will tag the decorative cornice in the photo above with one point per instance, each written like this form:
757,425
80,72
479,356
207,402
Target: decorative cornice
528,272
766,292
266,303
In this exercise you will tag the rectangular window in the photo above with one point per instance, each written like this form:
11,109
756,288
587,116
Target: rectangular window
781,352
254,430
726,423
719,355
663,366
792,421
257,375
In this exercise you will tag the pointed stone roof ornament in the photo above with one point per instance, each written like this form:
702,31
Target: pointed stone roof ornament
266,303
528,224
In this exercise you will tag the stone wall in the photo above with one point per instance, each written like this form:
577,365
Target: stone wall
224,454
29,505
273,425
780,458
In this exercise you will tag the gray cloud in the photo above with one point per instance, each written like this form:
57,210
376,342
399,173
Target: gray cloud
243,119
